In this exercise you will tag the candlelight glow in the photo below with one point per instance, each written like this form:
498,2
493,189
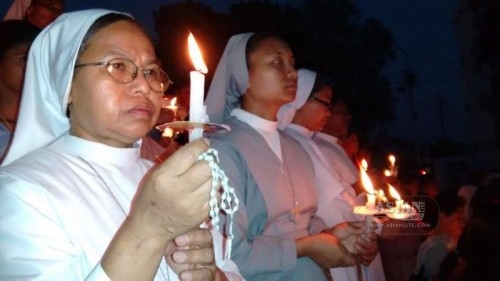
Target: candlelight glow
195,54
167,133
387,173
364,164
366,182
392,159
173,101
394,193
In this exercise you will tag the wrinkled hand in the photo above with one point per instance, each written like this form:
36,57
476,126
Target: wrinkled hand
191,255
348,233
174,197
325,250
367,248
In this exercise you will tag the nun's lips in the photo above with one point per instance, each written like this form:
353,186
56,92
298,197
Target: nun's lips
142,110
291,87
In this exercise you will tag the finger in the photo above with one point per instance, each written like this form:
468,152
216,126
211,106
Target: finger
184,157
199,237
204,256
349,260
198,274
197,176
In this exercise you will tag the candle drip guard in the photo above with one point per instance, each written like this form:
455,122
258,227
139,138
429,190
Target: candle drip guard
189,125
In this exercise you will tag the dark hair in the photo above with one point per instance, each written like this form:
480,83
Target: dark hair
101,23
255,40
16,32
320,82
449,202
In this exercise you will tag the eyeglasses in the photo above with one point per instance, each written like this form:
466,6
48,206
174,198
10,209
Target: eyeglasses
322,102
125,71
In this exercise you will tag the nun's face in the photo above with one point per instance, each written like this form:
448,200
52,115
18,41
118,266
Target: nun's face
272,75
103,109
315,112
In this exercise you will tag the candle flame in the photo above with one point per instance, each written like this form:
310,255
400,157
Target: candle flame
392,159
387,173
195,54
394,193
167,133
173,101
366,182
364,164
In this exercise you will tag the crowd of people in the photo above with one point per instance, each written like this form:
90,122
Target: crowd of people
91,190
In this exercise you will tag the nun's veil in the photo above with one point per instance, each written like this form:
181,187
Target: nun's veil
42,114
305,85
230,80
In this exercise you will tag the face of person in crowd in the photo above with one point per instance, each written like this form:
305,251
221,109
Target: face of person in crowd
351,144
315,112
103,109
43,12
12,66
338,122
454,223
272,75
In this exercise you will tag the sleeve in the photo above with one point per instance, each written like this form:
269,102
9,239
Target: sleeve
258,256
434,257
33,244
229,268
317,225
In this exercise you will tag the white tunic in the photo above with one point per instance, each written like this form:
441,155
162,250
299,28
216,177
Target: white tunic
57,217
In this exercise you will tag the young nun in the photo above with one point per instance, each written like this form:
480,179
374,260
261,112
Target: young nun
302,117
277,235
76,200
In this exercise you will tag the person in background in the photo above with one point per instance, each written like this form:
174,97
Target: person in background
444,239
17,36
301,118
328,141
76,200
38,12
277,235
476,256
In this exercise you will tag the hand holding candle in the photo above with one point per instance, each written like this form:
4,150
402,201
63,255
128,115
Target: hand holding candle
196,110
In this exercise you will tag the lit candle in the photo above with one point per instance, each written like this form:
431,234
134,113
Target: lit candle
196,110
395,195
173,106
387,173
167,133
392,165
368,186
370,196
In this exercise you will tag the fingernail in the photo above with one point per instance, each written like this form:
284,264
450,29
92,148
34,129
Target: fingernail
179,256
182,240
186,276
206,141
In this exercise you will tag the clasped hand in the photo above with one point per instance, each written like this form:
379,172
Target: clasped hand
342,245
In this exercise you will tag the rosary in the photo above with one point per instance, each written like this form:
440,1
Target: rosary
228,202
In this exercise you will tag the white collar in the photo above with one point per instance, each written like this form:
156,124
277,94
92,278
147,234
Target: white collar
255,121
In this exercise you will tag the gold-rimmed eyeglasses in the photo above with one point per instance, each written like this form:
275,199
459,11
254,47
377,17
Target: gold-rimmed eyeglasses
125,71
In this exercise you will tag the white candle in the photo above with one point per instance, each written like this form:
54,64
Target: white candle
196,109
370,203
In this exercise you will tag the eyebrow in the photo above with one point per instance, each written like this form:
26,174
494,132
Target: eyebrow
122,54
